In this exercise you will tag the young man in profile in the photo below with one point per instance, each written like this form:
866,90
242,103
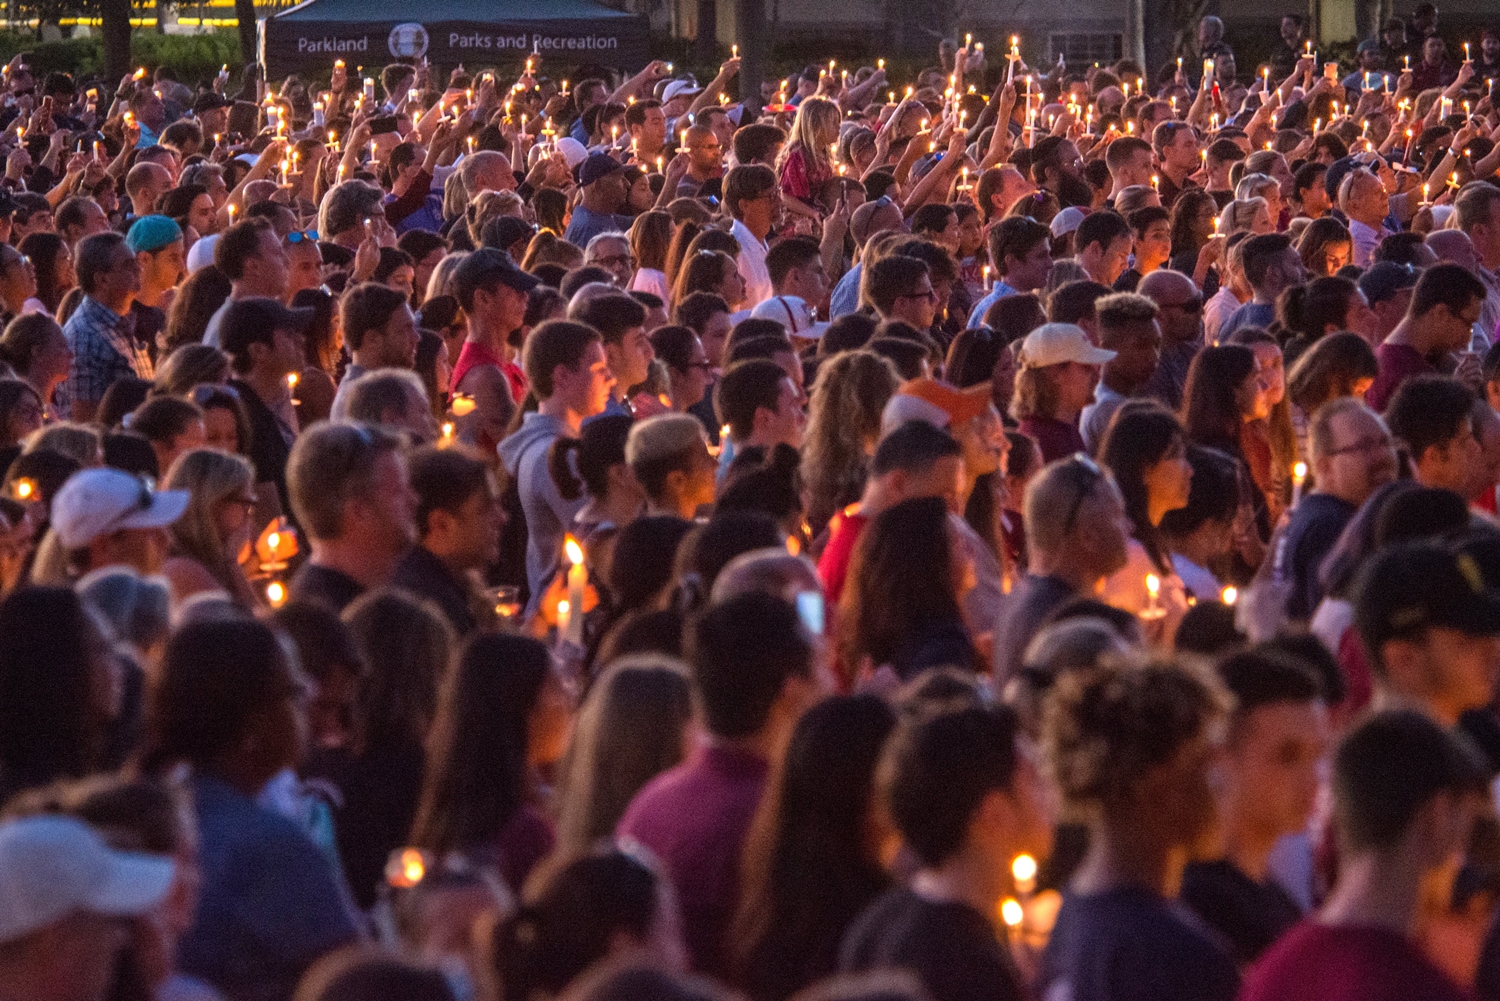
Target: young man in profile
966,801
1404,792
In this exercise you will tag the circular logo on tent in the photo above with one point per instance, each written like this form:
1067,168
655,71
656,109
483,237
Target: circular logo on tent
408,41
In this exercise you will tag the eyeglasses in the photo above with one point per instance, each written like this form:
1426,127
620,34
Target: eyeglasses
1191,306
1365,445
1087,475
296,236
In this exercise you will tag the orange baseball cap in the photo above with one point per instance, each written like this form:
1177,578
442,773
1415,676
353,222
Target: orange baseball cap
961,405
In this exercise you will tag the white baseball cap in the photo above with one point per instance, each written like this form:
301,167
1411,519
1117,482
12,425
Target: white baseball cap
201,254
51,866
572,150
94,502
1067,221
1055,343
792,313
679,88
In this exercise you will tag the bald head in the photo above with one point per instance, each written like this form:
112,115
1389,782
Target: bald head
1453,246
879,216
486,170
1166,284
145,183
1175,294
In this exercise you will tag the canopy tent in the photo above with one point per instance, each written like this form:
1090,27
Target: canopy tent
311,35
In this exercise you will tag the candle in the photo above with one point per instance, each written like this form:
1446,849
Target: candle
24,488
1023,870
578,576
447,435
1156,184
989,284
734,51
1011,912
276,594
1466,53
1407,61
1153,609
1299,477
1230,595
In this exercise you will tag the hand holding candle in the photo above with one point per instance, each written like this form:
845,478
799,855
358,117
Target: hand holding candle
578,575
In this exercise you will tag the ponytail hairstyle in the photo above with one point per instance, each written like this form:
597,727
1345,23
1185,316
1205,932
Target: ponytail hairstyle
1309,310
592,454
571,919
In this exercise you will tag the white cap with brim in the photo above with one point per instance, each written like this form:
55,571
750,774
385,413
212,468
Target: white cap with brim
1056,343
1067,221
792,313
52,866
903,407
95,502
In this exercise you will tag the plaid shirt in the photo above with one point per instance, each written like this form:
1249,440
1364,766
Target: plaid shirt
104,350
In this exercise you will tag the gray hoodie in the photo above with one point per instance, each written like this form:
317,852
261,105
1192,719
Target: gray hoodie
548,515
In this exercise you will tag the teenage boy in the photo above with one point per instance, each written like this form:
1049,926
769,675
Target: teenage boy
967,801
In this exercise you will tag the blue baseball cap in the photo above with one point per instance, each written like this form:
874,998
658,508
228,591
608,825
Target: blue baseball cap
151,233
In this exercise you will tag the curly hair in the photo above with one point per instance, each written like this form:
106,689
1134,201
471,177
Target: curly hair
851,391
1105,728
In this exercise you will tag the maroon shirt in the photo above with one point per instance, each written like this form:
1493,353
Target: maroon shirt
1323,963
1398,362
694,818
1056,439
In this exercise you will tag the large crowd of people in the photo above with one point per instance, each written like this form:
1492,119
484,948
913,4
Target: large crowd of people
1017,531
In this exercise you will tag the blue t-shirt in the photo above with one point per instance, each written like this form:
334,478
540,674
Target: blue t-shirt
845,297
586,225
1132,945
1251,314
1000,291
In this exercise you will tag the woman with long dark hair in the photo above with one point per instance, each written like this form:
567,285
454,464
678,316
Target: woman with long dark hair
843,427
1145,449
901,602
813,859
1323,306
54,270
315,386
1222,395
502,715
1339,365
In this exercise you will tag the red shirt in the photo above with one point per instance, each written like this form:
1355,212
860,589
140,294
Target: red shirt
1322,963
1398,362
833,565
475,355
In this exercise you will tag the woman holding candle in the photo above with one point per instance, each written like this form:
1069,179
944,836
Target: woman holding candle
1271,439
215,529
1145,449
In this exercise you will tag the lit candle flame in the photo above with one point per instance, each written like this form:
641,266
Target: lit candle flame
573,549
1011,913
1023,868
1229,595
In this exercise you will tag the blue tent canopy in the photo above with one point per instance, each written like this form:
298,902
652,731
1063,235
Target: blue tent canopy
566,33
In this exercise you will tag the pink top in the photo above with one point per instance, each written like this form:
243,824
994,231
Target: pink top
801,176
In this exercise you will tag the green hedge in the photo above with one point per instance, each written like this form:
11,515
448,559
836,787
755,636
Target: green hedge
192,57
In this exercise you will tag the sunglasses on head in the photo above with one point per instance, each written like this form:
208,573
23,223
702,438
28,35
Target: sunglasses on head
297,236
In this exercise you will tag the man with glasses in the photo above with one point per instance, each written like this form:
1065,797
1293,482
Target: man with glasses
901,289
705,161
1180,316
100,330
754,200
1352,455
611,251
1440,320
1076,535
304,261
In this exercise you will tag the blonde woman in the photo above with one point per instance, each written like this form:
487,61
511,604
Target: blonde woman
218,524
806,162
1246,215
441,282
489,205
650,238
